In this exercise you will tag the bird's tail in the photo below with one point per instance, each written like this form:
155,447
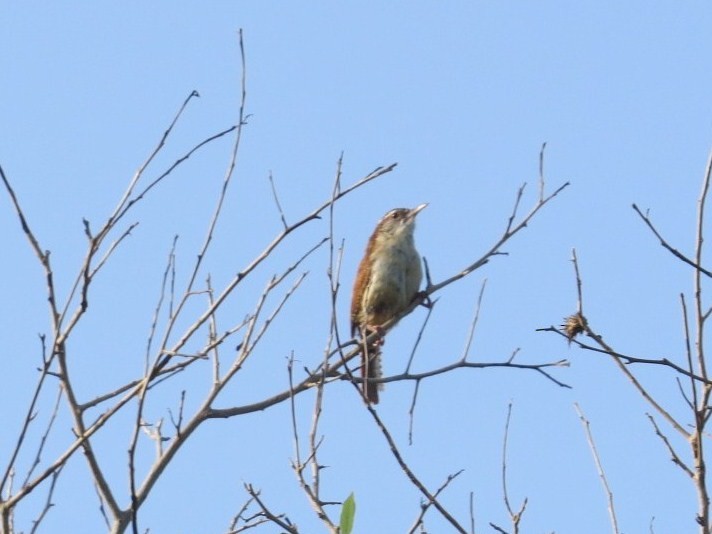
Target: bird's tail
371,368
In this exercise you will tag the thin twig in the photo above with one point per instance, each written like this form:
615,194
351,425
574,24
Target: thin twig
542,181
333,371
139,173
229,171
673,454
688,352
579,291
213,334
239,515
260,258
472,513
29,417
41,255
599,468
419,335
205,411
626,358
679,255
48,501
426,505
170,264
515,517
511,230
135,498
475,320
430,497
538,367
43,439
276,201
279,520
112,248
636,383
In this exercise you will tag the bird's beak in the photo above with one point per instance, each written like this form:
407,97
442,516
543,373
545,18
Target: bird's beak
417,210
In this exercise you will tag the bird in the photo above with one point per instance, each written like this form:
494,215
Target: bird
387,281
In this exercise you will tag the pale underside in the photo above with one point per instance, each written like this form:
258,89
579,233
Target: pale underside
394,281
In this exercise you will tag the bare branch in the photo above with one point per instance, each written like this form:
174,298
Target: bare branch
673,455
173,351
240,515
425,506
276,201
688,353
213,334
206,411
139,173
102,508
80,430
111,250
621,363
472,513
312,491
515,517
579,290
701,415
411,412
419,336
627,359
182,159
241,121
511,230
29,417
34,243
542,181
430,497
178,421
599,467
315,214
84,278
281,520
679,255
43,440
538,367
170,264
475,320
48,502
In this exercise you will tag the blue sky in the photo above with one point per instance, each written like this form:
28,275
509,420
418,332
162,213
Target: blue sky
462,95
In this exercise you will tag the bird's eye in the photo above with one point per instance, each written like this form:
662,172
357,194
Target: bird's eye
395,215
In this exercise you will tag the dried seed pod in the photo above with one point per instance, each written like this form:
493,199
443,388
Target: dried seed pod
574,325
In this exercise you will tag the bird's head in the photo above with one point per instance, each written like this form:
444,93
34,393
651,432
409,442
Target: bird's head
398,222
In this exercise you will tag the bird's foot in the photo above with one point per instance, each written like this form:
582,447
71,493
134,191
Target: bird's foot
379,331
423,299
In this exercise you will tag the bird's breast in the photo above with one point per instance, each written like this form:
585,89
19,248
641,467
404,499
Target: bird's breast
395,275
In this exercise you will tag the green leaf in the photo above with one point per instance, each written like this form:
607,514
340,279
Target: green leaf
348,511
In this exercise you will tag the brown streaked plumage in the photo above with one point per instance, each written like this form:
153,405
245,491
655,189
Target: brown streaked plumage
387,280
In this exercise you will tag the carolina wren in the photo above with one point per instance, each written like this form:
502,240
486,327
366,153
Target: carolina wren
387,281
